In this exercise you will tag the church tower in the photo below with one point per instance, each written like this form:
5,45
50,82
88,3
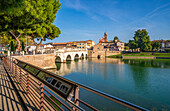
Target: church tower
105,37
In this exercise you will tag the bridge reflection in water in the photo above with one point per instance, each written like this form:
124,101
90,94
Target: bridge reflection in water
84,66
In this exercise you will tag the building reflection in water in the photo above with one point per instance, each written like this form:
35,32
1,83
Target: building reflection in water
85,66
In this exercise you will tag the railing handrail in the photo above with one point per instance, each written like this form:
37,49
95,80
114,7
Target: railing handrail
95,91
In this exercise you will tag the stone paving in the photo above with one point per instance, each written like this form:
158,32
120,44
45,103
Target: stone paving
8,97
9,100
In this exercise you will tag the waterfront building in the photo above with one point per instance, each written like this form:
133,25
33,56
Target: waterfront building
111,45
104,39
59,45
81,44
165,44
90,43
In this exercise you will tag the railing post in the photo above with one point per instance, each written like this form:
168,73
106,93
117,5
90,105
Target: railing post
9,64
41,97
12,66
76,96
16,71
20,76
27,87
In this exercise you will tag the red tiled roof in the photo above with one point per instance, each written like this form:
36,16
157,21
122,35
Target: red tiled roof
59,43
157,41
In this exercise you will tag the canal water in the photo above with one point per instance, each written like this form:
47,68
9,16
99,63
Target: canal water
143,82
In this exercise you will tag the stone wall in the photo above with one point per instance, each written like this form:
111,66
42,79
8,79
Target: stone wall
138,57
102,54
109,53
45,61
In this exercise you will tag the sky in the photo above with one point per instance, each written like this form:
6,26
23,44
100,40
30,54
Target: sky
81,20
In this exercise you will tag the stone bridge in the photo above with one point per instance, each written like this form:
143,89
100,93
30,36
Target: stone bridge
67,55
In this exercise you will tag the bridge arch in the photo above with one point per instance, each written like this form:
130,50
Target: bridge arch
68,57
58,59
82,56
76,56
98,56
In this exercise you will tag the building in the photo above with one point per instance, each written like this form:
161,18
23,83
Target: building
104,39
90,43
101,51
165,44
106,48
59,45
81,44
112,46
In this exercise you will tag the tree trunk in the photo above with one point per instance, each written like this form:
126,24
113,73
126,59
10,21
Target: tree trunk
38,45
19,44
17,39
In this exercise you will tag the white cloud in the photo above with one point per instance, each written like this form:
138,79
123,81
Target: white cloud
74,4
156,11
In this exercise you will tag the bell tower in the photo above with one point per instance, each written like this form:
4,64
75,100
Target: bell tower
105,36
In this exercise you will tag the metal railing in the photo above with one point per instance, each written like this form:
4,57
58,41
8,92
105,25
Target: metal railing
52,92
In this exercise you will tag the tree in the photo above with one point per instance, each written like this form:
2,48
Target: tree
23,45
126,48
132,45
5,38
36,18
12,46
142,40
9,5
116,38
46,30
156,45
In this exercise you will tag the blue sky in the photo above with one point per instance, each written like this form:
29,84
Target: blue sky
89,19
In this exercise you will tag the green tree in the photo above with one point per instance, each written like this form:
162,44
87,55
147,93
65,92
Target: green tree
132,45
126,48
142,40
116,38
5,38
46,30
12,46
156,45
9,5
36,18
23,45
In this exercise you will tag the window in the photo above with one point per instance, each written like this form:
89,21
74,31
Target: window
77,47
82,47
83,44
80,43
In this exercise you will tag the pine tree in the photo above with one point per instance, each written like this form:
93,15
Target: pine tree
23,45
12,46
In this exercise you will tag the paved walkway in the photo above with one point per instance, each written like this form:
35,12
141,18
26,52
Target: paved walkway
8,97
9,100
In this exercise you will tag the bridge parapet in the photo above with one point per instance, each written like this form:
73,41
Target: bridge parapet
64,55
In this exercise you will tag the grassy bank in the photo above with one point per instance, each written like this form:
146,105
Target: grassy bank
140,54
137,55
115,56
161,54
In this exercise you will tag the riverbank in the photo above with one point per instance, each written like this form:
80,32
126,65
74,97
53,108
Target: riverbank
142,55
